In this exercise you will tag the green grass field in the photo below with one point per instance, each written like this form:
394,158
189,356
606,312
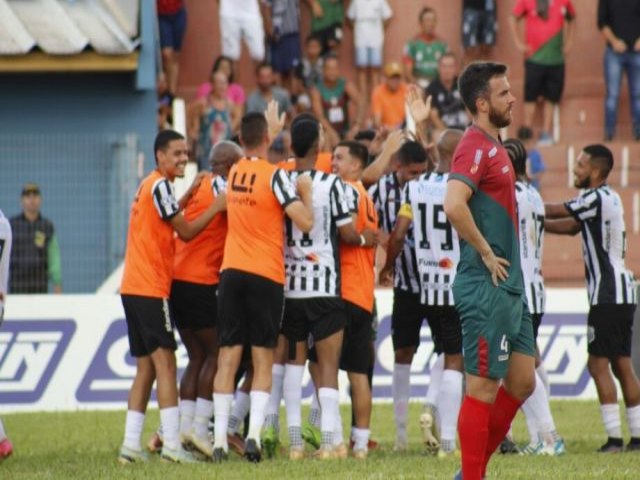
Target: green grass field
84,445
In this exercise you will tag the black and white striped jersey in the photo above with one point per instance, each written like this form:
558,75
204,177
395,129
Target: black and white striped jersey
312,261
601,214
437,247
164,199
218,185
387,198
531,240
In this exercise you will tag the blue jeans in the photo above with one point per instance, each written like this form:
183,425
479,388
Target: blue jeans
614,64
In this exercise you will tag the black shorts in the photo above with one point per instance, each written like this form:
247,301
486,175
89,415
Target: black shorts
194,305
609,330
445,327
172,29
149,324
286,53
546,81
536,320
478,27
329,36
249,309
357,347
407,316
319,317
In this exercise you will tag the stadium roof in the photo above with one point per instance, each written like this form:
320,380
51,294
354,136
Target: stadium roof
64,28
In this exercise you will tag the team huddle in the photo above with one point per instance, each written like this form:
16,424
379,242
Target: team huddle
271,271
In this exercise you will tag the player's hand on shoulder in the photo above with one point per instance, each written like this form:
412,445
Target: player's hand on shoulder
221,201
385,278
303,185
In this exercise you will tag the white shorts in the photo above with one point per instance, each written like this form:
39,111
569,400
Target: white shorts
249,27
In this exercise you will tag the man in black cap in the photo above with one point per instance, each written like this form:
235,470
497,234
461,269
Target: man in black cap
35,257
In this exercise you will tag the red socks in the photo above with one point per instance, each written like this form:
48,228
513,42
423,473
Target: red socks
473,430
502,412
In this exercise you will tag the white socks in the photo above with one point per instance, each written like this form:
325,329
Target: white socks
292,392
314,413
170,422
537,406
611,418
328,398
545,378
449,400
633,421
338,435
259,402
204,411
132,430
221,408
434,382
187,412
239,411
272,410
360,438
401,389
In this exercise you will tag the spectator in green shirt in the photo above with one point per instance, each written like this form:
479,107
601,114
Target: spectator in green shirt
421,54
327,20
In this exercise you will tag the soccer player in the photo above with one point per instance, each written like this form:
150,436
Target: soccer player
356,266
544,439
407,310
313,306
193,300
251,289
437,252
146,283
597,213
6,449
497,335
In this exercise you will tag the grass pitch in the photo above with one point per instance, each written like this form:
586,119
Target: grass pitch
84,445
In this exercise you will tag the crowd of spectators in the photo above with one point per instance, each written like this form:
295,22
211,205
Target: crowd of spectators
305,74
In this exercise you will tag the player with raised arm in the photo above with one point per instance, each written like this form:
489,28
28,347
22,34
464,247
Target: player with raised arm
598,214
437,252
497,334
146,283
251,289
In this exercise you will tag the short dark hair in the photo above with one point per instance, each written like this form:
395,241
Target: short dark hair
304,117
600,157
253,129
313,38
447,55
424,11
163,139
304,135
365,135
517,154
330,56
356,150
411,152
474,82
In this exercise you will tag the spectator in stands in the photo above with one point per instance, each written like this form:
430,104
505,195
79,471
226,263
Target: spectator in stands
479,26
212,119
370,18
327,19
267,91
421,54
282,22
242,19
331,99
388,99
619,22
172,21
307,73
235,92
165,103
535,162
35,256
447,108
545,48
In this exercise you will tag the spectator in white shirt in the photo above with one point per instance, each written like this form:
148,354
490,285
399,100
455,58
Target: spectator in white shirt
242,19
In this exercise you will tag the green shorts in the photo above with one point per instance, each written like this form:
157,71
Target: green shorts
495,323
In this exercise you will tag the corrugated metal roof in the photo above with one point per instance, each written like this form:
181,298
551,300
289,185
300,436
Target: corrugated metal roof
67,27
